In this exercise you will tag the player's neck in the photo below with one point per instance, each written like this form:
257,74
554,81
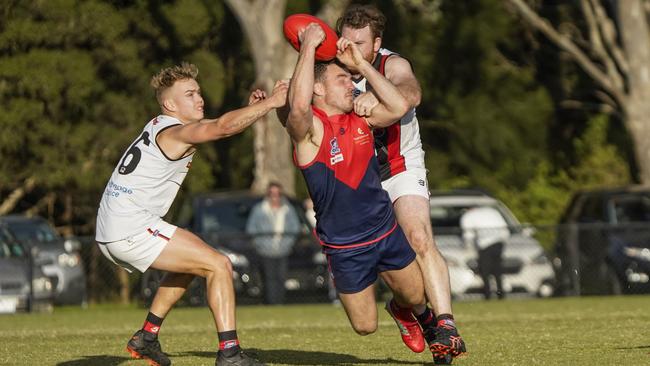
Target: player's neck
328,109
178,117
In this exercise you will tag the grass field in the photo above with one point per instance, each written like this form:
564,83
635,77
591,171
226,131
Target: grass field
571,331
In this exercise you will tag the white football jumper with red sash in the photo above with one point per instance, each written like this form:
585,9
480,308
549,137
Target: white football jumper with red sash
142,186
398,147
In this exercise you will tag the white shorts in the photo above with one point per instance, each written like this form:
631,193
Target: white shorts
140,250
410,182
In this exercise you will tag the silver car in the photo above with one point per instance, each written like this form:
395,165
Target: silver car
22,287
58,258
526,268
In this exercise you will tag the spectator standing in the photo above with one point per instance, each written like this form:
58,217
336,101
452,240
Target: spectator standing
274,225
488,231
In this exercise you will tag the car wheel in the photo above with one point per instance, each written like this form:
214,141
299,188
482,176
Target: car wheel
546,289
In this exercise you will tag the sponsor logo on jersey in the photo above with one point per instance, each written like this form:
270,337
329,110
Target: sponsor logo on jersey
361,137
156,121
189,164
421,182
155,233
357,92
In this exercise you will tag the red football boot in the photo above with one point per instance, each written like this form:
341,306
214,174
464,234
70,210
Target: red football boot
408,326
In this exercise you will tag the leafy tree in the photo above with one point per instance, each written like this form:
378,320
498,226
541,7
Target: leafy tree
74,88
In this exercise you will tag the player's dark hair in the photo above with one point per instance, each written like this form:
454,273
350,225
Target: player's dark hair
359,16
166,77
321,66
319,70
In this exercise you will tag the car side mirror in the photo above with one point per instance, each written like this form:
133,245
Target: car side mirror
72,245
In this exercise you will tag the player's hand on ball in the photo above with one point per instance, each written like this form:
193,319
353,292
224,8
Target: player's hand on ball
279,94
364,104
256,96
311,36
348,53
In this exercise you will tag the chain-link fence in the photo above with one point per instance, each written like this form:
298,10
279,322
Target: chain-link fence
534,261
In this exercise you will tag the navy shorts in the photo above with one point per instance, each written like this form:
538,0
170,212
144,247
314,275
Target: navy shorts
355,269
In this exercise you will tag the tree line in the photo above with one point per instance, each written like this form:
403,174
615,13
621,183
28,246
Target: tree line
516,97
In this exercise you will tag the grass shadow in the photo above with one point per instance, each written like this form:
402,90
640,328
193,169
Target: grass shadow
295,357
102,360
283,356
631,348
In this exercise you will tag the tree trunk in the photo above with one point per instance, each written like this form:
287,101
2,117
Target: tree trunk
261,21
634,34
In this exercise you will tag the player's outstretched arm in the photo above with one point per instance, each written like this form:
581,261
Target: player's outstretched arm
229,124
392,104
300,120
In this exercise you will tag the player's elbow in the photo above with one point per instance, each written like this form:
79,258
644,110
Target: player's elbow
399,108
415,100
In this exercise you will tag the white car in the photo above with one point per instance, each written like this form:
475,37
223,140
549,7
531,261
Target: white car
526,268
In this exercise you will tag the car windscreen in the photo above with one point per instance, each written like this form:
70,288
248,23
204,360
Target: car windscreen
448,216
231,216
33,231
632,208
225,216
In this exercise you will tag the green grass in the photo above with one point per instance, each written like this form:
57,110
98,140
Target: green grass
571,331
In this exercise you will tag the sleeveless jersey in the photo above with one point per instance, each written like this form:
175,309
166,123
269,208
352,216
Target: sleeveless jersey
343,181
398,146
142,186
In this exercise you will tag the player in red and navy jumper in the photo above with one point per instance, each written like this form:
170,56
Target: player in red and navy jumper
355,221
334,149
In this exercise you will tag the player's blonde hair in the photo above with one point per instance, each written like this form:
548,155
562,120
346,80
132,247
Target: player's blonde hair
166,77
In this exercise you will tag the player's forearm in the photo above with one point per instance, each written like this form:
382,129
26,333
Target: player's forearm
238,120
386,92
301,88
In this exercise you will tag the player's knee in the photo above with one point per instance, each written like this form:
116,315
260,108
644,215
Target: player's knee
364,328
220,264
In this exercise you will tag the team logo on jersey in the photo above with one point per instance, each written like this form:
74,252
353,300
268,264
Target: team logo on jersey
335,151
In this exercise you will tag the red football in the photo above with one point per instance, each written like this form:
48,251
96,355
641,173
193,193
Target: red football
293,24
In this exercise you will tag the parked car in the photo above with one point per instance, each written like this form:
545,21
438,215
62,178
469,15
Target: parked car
603,242
23,286
58,258
220,219
526,267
